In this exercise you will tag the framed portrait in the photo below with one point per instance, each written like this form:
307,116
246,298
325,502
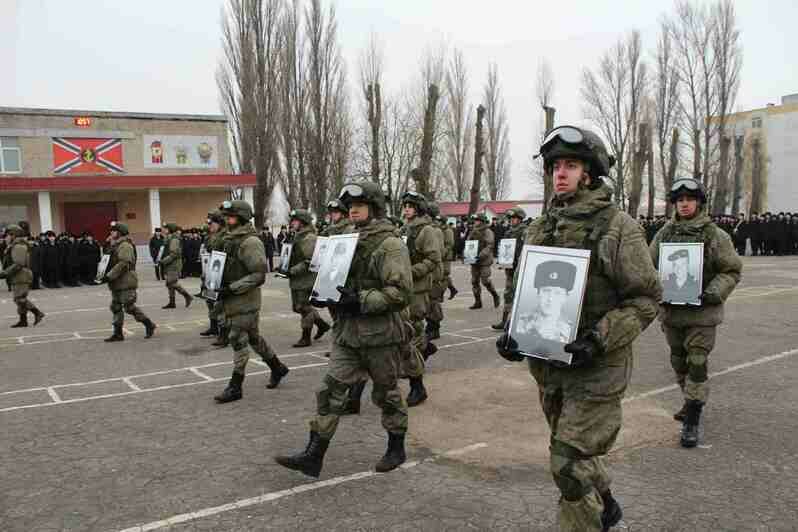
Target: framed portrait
204,259
285,257
160,253
471,252
318,253
681,267
506,257
548,300
102,266
334,267
214,275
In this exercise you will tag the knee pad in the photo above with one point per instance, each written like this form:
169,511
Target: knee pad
697,366
678,361
332,397
572,483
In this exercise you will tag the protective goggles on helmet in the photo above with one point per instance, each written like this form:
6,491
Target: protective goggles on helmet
351,191
689,184
333,205
411,194
567,134
292,214
227,204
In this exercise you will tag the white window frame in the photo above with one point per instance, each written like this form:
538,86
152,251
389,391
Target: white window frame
756,122
10,148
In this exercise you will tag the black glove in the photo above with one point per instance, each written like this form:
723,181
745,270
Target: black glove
508,348
583,350
349,301
318,303
711,298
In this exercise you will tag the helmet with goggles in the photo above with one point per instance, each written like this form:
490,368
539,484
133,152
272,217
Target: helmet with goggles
570,142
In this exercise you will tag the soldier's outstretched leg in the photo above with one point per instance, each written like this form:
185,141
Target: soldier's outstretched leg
239,339
383,369
171,303
20,293
485,278
267,354
508,300
128,300
183,292
117,311
452,289
476,288
22,322
321,327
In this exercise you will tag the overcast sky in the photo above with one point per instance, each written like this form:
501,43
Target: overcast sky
160,56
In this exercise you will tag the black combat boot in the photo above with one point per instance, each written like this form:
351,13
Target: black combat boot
430,350
38,315
188,298
149,328
233,391
452,292
496,298
171,303
321,329
394,456
305,340
212,330
692,418
278,372
502,324
418,394
353,402
117,336
679,416
612,513
477,303
308,461
433,330
23,321
224,337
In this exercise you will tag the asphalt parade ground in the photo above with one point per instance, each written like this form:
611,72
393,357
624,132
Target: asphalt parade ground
127,437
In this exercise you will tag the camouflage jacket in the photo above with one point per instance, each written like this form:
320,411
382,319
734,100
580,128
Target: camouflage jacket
622,286
517,232
172,259
448,242
425,245
244,270
486,240
17,257
382,276
721,273
338,228
215,241
301,278
121,272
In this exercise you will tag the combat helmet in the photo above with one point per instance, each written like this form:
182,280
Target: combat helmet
575,143
687,186
481,216
121,228
516,212
302,215
417,200
239,208
15,231
216,217
172,227
366,192
337,205
433,209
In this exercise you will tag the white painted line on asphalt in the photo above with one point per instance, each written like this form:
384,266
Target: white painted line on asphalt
77,336
53,395
132,385
95,309
275,495
200,374
461,336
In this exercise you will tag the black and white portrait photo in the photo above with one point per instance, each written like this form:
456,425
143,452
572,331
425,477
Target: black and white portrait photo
334,267
102,266
506,252
471,252
680,270
214,274
548,300
318,253
285,257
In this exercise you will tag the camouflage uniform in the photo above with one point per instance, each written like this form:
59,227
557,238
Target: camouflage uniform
215,242
481,270
438,288
18,273
367,336
172,264
516,232
244,273
301,279
448,256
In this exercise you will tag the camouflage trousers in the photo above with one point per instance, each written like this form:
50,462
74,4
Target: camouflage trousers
690,348
447,275
244,333
173,285
349,366
125,301
508,289
20,292
481,273
215,310
412,363
435,313
300,303
583,410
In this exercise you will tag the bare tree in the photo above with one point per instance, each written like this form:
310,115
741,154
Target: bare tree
612,97
497,154
544,90
728,62
666,108
459,125
372,61
248,77
479,152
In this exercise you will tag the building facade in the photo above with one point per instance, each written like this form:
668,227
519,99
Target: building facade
77,171
768,148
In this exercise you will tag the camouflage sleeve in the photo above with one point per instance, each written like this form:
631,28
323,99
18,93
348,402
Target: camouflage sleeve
125,258
305,250
397,280
172,251
428,247
448,243
17,262
486,245
726,263
654,247
253,255
625,258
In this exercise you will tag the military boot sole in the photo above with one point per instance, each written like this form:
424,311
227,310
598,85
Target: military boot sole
115,339
390,462
39,317
498,326
225,397
309,469
18,325
170,305
276,377
302,344
416,399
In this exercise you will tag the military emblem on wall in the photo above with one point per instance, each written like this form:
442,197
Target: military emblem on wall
548,300
180,151
681,267
87,156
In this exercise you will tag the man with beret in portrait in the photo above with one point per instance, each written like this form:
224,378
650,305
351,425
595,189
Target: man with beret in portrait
554,280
